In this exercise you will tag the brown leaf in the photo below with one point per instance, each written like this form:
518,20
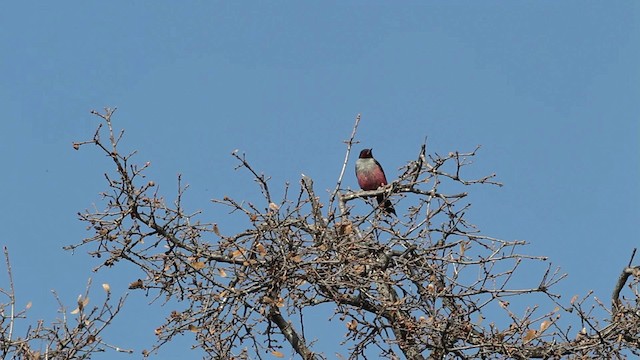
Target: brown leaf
216,230
261,249
193,328
267,300
277,354
345,228
573,299
358,269
106,288
198,265
237,253
544,325
138,284
222,272
529,335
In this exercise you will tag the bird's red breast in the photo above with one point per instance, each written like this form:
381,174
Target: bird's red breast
371,176
369,172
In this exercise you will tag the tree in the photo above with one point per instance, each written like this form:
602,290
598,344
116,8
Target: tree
414,287
64,338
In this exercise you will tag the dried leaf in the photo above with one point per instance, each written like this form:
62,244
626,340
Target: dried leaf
545,325
193,328
297,258
280,302
345,228
352,325
216,230
106,288
267,300
28,305
529,335
138,284
277,354
82,302
274,207
261,249
573,299
222,272
358,269
75,311
198,265
237,253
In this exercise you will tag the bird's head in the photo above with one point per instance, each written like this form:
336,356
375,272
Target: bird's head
366,154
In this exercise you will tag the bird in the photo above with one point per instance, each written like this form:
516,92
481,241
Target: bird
371,176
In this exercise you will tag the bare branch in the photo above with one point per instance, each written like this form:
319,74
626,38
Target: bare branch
419,285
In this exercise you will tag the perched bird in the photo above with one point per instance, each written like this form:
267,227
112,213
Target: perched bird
371,176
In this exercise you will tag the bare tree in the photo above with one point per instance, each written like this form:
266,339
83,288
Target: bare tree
413,287
76,334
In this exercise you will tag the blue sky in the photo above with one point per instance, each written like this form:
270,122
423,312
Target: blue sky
551,90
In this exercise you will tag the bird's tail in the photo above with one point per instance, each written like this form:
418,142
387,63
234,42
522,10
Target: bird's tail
386,204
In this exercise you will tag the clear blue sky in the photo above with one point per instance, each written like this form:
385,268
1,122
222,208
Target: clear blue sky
551,90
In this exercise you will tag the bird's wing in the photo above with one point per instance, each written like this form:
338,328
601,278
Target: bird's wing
382,171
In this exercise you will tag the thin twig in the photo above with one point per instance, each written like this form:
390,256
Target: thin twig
12,294
349,143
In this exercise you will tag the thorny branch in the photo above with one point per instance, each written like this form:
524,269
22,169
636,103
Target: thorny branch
418,286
